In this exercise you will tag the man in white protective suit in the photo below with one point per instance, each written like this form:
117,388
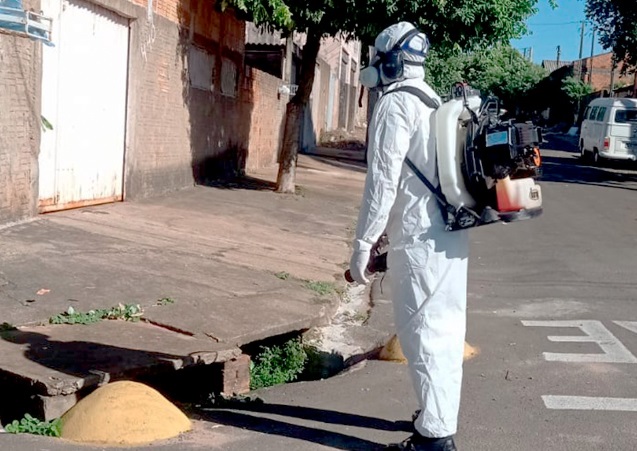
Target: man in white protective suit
427,265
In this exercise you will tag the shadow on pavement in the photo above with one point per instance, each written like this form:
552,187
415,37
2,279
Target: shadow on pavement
242,183
341,163
311,434
95,363
571,169
81,358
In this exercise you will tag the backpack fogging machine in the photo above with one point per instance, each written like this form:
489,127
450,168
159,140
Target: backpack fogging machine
487,166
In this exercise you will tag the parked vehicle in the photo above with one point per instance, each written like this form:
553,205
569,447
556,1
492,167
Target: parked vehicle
609,130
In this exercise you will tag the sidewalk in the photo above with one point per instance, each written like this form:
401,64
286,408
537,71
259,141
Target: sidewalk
215,252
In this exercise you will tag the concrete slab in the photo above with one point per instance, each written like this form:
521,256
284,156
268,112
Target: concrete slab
235,258
207,248
62,359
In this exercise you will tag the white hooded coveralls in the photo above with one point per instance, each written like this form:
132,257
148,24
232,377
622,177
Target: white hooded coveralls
427,264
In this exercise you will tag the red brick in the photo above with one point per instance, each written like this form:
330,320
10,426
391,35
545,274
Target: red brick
268,113
19,125
236,376
601,65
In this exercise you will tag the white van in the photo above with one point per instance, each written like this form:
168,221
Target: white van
609,130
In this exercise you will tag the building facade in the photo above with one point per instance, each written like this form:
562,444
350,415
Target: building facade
137,98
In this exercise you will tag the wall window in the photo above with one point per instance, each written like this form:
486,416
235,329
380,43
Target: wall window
201,69
229,77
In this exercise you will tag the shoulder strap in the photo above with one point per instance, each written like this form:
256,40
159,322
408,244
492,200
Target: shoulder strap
448,211
455,218
431,103
434,189
428,101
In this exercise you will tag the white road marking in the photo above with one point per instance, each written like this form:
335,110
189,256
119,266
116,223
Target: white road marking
614,350
630,325
590,403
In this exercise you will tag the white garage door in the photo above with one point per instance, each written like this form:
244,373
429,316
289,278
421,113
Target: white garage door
84,84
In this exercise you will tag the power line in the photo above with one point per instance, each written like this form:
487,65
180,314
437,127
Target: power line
554,24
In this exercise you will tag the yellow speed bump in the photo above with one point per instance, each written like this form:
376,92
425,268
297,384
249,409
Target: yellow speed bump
392,351
123,413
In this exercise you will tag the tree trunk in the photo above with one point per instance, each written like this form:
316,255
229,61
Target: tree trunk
294,114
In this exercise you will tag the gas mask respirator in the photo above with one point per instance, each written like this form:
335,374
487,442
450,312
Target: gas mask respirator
389,67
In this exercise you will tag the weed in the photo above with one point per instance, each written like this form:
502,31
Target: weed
277,364
321,288
360,317
221,401
283,275
30,425
128,312
46,125
6,327
300,191
165,301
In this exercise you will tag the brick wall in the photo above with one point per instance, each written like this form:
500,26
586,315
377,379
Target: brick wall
19,125
267,118
601,65
179,134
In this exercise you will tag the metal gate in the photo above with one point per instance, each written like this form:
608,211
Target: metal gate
84,90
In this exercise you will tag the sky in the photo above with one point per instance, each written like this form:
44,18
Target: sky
561,26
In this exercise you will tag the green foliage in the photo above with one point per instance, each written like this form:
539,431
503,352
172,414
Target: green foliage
321,288
499,70
165,301
615,22
271,12
128,312
504,72
442,71
46,125
282,275
30,425
575,88
460,24
277,364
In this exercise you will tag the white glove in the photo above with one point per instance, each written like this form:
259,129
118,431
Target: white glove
358,266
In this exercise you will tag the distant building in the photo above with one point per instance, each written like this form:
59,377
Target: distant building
596,71
553,65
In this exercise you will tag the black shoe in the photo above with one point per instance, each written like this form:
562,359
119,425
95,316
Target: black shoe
419,443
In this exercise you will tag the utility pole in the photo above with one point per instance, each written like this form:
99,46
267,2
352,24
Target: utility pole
559,53
581,48
613,63
590,70
531,55
287,65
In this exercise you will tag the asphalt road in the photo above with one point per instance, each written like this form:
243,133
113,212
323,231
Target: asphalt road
553,311
572,272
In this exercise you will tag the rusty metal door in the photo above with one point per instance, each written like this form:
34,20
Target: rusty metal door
84,89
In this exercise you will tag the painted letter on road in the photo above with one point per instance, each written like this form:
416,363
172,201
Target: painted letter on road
614,350
590,403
